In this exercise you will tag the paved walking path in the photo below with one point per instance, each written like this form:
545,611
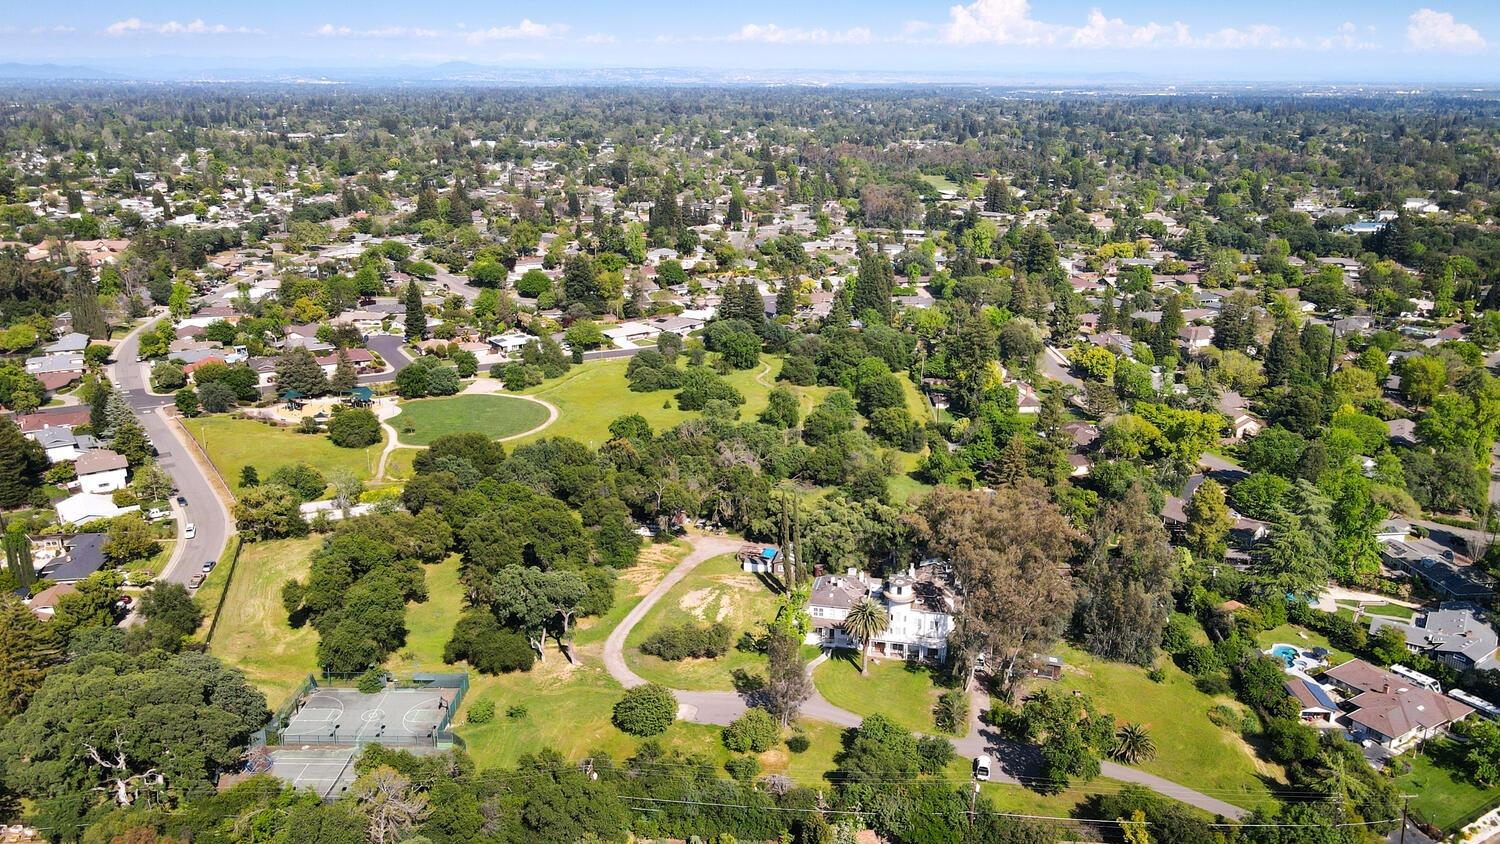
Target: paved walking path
387,409
1012,760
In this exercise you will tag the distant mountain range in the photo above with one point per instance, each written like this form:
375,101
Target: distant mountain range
288,72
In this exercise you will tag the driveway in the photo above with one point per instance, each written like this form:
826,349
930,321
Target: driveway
1013,761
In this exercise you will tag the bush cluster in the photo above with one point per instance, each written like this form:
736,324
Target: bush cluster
688,640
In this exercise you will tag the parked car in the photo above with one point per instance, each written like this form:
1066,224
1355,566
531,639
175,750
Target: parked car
196,580
190,531
181,501
208,566
156,513
982,768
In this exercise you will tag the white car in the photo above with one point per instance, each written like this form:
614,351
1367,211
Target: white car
190,531
156,513
982,768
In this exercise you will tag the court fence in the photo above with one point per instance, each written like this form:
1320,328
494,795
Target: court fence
443,736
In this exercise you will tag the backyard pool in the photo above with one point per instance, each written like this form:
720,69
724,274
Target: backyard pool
1296,658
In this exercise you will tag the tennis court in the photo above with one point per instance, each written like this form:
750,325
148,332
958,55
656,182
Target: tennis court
328,771
393,716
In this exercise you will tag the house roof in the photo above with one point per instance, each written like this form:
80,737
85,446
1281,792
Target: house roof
60,417
85,556
1309,694
99,460
1390,705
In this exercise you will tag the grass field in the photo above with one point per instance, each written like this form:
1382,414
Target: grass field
716,591
420,422
1442,796
253,634
1190,748
902,691
594,394
233,444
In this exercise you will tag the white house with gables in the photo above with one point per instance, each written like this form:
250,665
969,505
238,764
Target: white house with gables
920,601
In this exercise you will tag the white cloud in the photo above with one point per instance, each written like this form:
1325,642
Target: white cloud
773,34
1430,30
59,29
998,22
328,30
1347,37
527,29
1010,22
1101,31
1254,37
136,26
599,38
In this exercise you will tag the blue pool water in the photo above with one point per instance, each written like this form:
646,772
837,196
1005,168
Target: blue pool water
1286,653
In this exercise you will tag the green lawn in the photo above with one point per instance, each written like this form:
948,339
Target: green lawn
420,422
212,587
1385,610
1442,796
253,634
1191,749
1292,634
233,444
903,691
716,591
594,394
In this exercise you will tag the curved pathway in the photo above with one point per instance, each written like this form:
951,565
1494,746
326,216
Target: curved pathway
480,387
1013,760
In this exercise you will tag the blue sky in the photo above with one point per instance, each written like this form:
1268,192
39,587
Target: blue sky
1339,40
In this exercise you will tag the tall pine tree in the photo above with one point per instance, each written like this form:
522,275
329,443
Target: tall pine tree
874,284
416,319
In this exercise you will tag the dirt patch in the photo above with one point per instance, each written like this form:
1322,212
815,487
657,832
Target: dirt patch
643,578
697,604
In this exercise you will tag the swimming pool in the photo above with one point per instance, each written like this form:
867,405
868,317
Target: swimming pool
1287,654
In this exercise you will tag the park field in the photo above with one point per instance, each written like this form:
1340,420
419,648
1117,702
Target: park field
422,421
716,591
233,444
253,634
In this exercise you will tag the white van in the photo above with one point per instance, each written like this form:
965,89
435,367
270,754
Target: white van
982,768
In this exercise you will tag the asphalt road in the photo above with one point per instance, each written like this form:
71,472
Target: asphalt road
204,510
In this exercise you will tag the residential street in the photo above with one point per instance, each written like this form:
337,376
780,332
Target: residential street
209,515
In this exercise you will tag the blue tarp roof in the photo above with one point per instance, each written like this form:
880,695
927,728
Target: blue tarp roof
768,553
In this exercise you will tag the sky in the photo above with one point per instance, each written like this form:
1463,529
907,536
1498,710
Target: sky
1375,41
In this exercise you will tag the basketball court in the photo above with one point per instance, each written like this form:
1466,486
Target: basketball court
340,716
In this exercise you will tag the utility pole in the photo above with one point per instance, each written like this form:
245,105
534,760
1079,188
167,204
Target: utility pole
1405,801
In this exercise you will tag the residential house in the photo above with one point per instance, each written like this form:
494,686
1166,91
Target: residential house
1458,634
89,507
101,471
82,555
1390,710
43,604
1314,703
1451,577
919,602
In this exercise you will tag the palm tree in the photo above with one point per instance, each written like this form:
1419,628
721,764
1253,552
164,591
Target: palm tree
1133,743
866,620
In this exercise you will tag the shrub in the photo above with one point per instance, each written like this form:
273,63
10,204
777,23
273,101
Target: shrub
371,682
743,768
951,713
482,711
1224,716
488,647
934,754
688,640
1156,675
645,710
517,711
354,428
754,732
798,743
